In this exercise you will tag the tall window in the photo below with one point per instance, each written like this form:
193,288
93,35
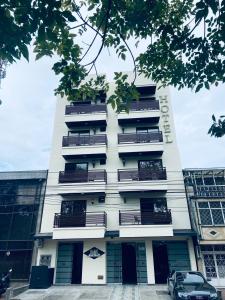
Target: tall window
212,213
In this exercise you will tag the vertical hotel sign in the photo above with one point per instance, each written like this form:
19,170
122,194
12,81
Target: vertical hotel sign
165,116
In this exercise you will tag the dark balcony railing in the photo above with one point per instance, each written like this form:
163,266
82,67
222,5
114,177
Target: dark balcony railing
144,105
82,176
97,139
130,138
85,109
135,217
211,191
86,219
140,175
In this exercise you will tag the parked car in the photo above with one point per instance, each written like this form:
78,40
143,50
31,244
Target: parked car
191,286
5,282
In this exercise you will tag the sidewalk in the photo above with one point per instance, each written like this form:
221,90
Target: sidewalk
108,292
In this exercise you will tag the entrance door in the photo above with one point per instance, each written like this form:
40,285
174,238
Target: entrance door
77,263
129,270
161,264
147,168
73,213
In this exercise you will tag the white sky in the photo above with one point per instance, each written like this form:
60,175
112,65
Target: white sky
27,113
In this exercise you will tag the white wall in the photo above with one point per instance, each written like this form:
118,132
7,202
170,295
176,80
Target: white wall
49,248
92,268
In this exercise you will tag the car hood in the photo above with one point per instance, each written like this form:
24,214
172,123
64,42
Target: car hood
197,289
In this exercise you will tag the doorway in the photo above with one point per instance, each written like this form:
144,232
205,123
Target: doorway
129,269
73,213
78,169
77,263
149,168
161,264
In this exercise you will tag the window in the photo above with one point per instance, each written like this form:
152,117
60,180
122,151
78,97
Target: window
79,132
212,213
214,260
208,180
219,179
189,278
76,166
147,129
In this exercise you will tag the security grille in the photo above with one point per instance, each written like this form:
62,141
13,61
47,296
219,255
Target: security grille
214,261
212,212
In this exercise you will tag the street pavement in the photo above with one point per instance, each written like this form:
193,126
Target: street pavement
106,292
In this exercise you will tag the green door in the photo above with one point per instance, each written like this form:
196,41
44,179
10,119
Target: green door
141,263
178,256
114,263
64,263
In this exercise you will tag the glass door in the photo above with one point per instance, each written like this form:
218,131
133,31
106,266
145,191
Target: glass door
73,213
148,169
80,171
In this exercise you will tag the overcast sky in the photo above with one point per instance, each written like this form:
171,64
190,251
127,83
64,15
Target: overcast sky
28,105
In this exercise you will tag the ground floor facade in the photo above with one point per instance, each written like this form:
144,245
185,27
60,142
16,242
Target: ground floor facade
212,263
116,260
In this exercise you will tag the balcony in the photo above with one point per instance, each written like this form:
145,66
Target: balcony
134,223
73,181
145,111
137,143
131,180
86,114
80,226
83,146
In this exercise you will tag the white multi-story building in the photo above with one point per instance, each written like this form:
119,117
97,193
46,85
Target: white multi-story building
115,209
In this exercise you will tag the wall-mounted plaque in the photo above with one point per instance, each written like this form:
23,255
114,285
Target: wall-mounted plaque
94,253
45,260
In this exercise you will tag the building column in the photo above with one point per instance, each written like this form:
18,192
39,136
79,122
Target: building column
192,255
150,262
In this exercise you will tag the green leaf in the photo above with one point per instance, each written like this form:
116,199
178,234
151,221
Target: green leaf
198,87
24,51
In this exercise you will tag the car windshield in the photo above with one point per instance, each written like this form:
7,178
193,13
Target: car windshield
189,278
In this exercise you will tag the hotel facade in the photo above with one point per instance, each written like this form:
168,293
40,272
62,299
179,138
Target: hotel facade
115,209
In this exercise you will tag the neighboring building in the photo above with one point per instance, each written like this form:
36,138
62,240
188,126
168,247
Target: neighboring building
115,209
206,195
21,199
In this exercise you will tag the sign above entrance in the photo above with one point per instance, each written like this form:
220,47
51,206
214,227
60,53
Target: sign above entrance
94,253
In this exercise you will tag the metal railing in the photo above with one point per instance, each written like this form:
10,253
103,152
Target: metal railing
82,176
86,219
144,105
85,109
211,191
140,175
97,139
136,217
130,138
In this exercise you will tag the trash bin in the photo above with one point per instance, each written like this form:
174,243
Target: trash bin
41,277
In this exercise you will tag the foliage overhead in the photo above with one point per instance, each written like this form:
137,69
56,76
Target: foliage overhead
185,41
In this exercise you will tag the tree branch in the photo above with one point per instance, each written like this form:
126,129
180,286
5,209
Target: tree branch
131,53
86,23
104,34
